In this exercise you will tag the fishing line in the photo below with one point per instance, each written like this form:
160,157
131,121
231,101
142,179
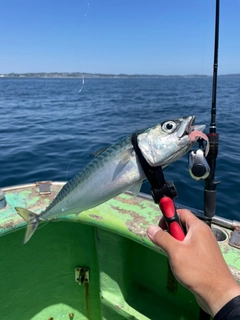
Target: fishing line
69,165
51,220
58,220
69,123
88,8
18,229
43,224
81,87
80,90
168,167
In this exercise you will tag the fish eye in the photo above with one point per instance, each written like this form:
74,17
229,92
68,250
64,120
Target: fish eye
169,126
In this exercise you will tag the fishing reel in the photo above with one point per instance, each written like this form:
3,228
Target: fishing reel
197,164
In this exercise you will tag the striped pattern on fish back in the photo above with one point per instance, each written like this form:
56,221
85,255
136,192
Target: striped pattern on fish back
91,167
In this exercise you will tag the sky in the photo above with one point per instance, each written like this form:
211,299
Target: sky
167,37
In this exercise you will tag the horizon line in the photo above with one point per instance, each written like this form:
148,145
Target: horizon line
112,74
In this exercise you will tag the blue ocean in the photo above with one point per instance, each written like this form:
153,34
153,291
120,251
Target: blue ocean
50,127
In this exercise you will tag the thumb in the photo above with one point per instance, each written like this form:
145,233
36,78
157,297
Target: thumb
161,238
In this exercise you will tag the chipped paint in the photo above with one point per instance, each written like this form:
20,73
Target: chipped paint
133,281
94,216
124,215
235,272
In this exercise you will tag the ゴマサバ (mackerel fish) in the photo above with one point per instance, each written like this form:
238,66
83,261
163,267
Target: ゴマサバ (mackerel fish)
116,169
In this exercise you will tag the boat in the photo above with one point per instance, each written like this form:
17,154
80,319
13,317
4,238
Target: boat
97,265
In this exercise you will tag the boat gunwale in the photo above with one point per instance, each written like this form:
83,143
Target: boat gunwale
125,215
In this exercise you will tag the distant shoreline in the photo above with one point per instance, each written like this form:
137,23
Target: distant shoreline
64,75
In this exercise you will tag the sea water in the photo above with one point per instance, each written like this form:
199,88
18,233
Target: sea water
50,127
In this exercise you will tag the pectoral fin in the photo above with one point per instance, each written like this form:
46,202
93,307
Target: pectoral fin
136,189
125,158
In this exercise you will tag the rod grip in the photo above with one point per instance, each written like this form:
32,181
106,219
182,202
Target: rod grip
171,218
209,203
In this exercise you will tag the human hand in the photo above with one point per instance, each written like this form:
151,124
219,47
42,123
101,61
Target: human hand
197,262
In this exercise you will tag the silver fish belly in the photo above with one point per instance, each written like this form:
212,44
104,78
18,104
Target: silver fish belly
117,169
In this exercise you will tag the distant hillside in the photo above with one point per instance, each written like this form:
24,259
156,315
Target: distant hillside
100,75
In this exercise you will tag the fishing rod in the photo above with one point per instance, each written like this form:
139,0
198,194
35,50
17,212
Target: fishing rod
202,168
164,192
210,191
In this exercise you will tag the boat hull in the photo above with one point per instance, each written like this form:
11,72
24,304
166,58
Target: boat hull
128,277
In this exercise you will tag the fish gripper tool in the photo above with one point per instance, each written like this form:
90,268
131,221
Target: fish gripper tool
163,193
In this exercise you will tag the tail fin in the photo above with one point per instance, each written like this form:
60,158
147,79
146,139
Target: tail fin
32,220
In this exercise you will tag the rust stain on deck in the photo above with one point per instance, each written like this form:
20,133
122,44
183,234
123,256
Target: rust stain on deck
12,224
136,225
86,285
96,217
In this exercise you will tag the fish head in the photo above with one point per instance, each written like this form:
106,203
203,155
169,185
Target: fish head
170,140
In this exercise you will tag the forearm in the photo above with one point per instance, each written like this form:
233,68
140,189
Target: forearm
198,264
218,291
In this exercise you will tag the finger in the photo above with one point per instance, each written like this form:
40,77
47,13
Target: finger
161,238
182,213
162,224
186,216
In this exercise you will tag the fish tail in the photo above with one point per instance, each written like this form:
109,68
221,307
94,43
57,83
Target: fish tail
32,220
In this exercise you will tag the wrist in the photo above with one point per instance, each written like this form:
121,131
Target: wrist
230,310
222,296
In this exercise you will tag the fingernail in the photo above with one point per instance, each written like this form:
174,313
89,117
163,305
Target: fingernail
152,230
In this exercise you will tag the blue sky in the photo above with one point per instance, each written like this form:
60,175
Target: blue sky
118,36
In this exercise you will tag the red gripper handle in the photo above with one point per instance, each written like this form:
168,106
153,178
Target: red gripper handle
171,217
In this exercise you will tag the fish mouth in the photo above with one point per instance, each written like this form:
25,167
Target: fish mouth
192,127
194,132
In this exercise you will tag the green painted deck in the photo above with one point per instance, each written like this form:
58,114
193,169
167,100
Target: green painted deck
129,278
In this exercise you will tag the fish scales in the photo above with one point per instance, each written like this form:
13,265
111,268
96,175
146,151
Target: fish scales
89,170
